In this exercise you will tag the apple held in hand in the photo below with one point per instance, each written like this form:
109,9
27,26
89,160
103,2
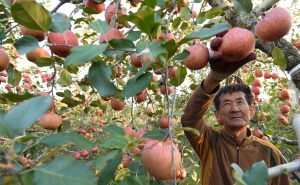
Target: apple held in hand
157,159
237,44
276,24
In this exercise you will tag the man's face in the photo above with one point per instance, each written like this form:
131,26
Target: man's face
234,112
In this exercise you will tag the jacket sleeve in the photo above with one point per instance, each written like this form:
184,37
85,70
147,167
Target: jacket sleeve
194,111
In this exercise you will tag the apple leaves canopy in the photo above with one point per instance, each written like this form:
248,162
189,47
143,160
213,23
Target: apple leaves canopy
83,54
64,170
26,113
31,14
99,75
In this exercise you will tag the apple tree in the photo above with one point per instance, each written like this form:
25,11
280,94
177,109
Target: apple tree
95,95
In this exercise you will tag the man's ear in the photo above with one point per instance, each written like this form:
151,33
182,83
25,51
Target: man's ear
252,110
218,117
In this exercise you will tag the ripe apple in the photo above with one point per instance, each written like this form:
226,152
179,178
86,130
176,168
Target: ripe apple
50,121
285,94
164,121
181,174
37,53
141,97
276,24
4,60
267,75
84,153
256,90
284,109
111,11
172,72
18,88
157,159
129,131
118,71
237,44
163,36
39,35
194,14
62,42
296,43
258,73
77,156
136,61
94,150
257,82
126,160
112,33
198,57
99,7
52,100
163,89
139,134
282,119
150,111
245,70
116,104
275,75
8,87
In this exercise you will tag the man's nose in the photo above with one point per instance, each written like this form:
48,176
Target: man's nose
234,108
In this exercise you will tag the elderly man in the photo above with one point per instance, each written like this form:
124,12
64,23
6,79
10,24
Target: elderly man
234,143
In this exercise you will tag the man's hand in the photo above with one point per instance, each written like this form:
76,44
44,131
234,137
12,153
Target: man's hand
221,69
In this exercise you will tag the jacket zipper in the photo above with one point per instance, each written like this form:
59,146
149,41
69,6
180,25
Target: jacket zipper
238,152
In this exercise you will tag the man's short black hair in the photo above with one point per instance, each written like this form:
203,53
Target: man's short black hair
229,89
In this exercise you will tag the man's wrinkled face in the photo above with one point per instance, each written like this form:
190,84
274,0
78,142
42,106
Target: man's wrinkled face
234,112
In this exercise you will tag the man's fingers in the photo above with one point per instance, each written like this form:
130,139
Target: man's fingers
215,43
221,34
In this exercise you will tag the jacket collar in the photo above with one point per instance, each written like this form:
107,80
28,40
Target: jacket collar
230,138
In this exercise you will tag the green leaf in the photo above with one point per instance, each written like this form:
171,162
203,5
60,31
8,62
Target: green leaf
133,35
3,127
108,173
206,33
65,78
180,75
134,86
178,113
213,12
123,172
182,55
72,69
60,23
26,44
82,54
63,138
99,75
116,141
2,35
43,62
185,13
137,169
122,44
100,26
102,104
278,58
129,180
14,77
64,170
257,174
158,134
237,174
31,14
17,97
101,160
243,7
151,3
26,113
189,129
201,17
144,20
114,129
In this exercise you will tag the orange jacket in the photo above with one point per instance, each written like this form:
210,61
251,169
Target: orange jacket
217,149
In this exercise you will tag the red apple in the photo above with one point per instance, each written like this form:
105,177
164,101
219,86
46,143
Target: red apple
257,82
62,42
117,104
258,73
284,109
275,25
37,53
285,94
164,121
163,89
150,111
112,33
129,131
267,75
99,7
39,35
256,90
136,61
141,97
198,57
172,72
50,121
111,11
237,44
157,159
4,60
126,160
296,43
